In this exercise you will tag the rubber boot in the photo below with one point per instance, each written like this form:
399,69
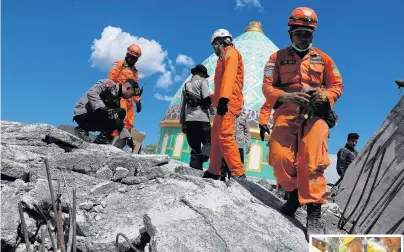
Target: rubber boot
314,224
82,134
207,174
103,138
292,204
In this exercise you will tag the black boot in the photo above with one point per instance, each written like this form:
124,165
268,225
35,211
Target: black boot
292,204
197,162
207,174
103,138
241,177
82,134
314,223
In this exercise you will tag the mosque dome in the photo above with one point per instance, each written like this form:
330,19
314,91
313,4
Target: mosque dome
255,48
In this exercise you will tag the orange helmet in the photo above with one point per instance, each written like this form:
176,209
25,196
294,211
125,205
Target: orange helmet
134,50
303,16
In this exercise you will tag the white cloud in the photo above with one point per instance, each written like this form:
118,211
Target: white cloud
113,44
184,60
254,3
165,80
163,97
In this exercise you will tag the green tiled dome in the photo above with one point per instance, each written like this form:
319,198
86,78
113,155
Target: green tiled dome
255,49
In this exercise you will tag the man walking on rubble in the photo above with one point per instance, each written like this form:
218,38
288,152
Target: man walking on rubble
243,135
228,99
99,110
302,84
122,70
194,116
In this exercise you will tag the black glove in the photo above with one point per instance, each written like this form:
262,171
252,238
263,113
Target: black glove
263,128
138,107
111,113
222,106
129,142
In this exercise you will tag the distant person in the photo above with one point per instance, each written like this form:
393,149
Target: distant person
243,135
194,116
347,154
393,244
122,70
359,244
99,110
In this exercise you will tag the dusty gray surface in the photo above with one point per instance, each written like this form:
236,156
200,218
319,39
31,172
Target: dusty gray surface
160,204
382,164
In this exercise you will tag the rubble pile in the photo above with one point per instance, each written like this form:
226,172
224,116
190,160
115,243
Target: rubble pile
157,203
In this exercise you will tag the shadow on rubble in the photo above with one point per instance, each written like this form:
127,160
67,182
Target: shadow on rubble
268,199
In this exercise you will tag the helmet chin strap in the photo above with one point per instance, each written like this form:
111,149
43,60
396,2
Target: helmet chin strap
301,50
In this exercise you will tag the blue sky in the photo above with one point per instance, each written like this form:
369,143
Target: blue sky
46,51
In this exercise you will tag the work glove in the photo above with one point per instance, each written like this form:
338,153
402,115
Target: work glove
129,142
110,112
263,128
318,99
222,106
138,107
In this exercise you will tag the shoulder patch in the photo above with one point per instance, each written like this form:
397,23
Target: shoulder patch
269,71
335,70
316,59
115,65
227,54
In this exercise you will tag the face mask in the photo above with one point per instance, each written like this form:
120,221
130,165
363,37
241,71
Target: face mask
301,50
131,60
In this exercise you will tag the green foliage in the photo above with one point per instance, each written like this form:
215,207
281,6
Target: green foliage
149,149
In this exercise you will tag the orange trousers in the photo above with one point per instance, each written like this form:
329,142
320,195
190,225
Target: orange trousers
299,158
128,106
224,145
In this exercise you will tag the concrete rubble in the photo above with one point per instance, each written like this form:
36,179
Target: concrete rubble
158,203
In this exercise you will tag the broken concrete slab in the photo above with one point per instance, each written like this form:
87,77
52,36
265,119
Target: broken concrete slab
371,194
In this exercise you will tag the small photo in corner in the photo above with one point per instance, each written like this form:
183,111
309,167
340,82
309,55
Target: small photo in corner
356,243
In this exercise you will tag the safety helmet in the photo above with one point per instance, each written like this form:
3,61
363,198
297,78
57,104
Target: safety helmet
221,33
134,50
303,16
348,239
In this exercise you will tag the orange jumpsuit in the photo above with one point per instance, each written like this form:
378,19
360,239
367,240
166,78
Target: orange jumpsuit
119,73
298,157
265,113
229,79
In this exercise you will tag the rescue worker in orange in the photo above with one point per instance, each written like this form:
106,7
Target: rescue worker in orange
122,70
228,99
263,119
302,84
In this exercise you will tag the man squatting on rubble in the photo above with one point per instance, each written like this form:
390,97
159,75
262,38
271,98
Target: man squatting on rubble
194,116
99,110
243,135
228,99
122,70
298,143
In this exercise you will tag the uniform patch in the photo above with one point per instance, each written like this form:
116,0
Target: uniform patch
227,54
110,83
288,62
114,66
270,64
335,70
316,60
269,72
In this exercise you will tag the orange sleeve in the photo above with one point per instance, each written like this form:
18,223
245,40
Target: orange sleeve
265,113
333,81
271,76
136,99
113,72
230,72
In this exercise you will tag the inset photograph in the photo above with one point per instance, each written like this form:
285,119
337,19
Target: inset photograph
357,243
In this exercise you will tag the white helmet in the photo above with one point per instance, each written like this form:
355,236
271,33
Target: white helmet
220,34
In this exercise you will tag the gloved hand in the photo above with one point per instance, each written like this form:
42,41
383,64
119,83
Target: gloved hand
222,106
263,128
110,112
138,107
129,142
318,98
